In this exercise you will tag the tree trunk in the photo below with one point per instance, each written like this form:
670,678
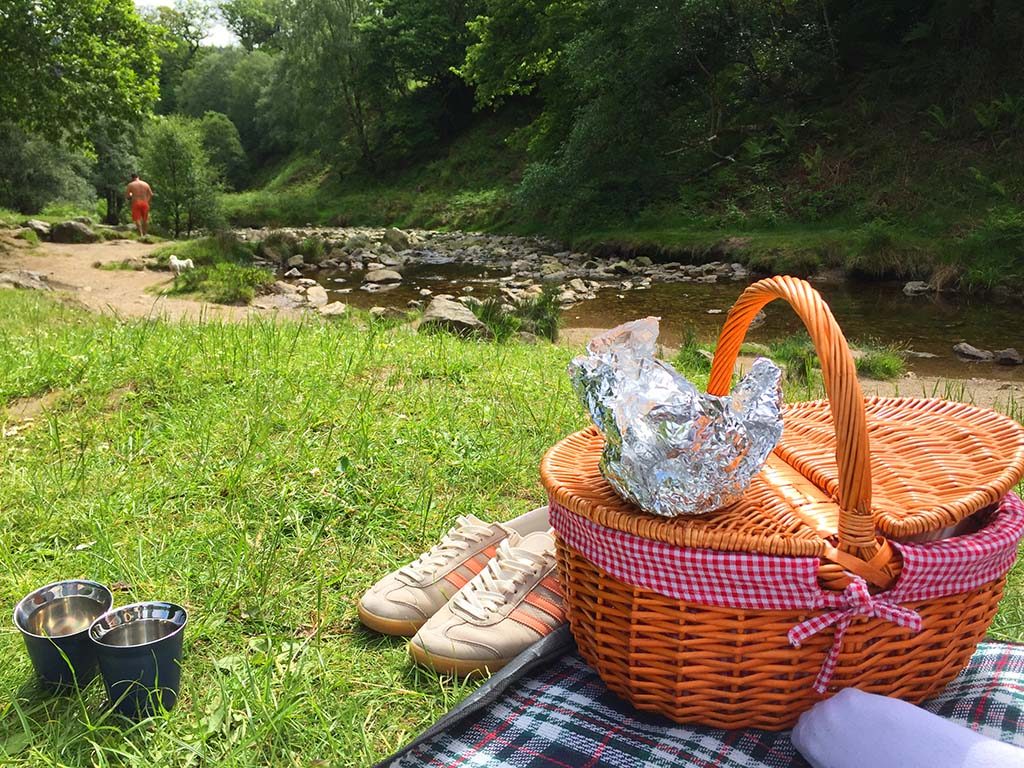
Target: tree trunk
112,207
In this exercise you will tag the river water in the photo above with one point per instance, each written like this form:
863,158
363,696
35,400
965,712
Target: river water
867,312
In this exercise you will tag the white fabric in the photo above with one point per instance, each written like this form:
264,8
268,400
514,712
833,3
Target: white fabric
854,729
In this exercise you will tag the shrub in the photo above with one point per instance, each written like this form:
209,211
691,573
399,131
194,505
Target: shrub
500,323
222,246
223,283
796,355
29,236
541,315
312,249
691,356
881,362
993,252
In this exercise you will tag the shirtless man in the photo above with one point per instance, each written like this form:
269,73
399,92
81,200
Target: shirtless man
140,193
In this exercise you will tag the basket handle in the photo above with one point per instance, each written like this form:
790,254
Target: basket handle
856,522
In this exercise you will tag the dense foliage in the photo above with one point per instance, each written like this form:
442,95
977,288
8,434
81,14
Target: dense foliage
878,117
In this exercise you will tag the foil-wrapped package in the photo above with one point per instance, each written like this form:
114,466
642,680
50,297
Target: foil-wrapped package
671,449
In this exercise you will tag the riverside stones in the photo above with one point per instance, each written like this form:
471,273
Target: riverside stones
382,276
1009,356
396,238
72,232
334,309
452,317
916,288
973,354
41,228
316,295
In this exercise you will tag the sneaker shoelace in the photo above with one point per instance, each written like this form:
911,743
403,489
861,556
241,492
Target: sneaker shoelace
495,584
464,534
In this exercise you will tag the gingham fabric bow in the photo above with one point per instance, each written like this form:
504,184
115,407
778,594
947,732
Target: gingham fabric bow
857,601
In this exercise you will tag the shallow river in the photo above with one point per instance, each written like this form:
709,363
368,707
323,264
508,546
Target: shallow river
866,311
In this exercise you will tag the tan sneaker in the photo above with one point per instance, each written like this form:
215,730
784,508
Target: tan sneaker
402,601
513,602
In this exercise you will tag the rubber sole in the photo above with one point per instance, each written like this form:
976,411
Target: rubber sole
396,627
456,667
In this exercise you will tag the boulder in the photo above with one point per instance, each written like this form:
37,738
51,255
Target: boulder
452,317
414,304
424,292
293,273
1009,356
316,295
916,288
577,285
469,301
643,261
396,238
382,276
528,338
356,241
278,246
41,228
295,261
285,289
23,278
968,352
334,309
72,232
622,268
306,282
386,313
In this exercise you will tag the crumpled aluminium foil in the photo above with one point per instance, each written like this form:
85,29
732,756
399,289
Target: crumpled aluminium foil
671,449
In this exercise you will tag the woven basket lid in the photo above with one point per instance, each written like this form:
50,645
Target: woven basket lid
900,466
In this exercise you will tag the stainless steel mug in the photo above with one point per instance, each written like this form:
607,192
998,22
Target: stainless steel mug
139,652
54,621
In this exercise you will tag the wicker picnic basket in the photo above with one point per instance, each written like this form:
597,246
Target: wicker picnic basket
747,616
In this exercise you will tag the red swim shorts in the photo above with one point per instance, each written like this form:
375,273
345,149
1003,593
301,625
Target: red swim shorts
140,210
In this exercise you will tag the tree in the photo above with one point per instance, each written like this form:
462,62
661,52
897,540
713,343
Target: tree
178,32
230,81
255,22
68,63
184,184
34,172
328,68
115,146
223,147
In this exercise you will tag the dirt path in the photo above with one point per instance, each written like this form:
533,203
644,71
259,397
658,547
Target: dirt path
122,292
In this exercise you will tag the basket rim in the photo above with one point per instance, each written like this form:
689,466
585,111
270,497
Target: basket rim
570,473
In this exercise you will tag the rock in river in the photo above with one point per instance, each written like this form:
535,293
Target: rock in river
382,276
1009,356
396,238
916,288
965,350
450,316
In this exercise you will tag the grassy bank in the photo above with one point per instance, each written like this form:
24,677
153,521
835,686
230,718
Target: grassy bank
262,474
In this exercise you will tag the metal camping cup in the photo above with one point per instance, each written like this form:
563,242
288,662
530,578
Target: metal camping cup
55,621
139,651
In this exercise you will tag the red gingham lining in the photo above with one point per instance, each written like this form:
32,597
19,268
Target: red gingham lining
750,580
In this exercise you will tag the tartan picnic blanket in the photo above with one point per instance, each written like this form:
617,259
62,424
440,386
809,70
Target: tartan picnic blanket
561,715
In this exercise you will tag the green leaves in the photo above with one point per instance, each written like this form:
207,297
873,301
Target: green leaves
69,63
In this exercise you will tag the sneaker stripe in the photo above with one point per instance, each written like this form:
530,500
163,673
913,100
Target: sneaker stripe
456,579
476,564
552,583
490,551
530,622
555,611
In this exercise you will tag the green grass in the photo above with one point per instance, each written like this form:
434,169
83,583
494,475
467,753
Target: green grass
222,271
881,362
262,474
